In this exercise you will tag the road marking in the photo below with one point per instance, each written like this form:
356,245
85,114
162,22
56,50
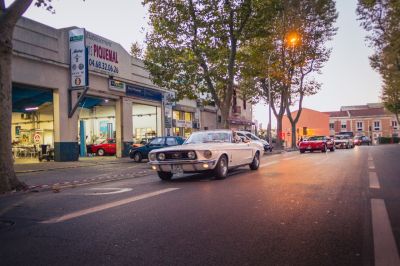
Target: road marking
290,158
106,206
269,163
371,165
384,244
113,191
373,180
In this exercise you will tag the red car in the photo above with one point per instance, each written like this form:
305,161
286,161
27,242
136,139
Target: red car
317,143
107,146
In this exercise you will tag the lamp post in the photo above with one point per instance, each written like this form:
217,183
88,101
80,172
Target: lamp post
269,103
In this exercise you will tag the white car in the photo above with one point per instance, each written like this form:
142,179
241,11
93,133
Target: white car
254,138
216,150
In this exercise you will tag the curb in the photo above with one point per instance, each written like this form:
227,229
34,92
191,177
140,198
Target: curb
88,181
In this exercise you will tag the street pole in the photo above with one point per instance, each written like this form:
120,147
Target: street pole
269,104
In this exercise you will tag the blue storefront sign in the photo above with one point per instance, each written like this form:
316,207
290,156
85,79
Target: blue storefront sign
142,92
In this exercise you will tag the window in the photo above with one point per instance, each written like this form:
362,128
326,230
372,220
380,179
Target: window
394,124
219,119
244,104
331,126
377,125
188,116
359,126
176,115
171,142
157,141
344,126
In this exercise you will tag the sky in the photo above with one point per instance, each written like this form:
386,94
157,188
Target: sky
347,78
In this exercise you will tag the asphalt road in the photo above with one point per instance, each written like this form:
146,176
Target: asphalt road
311,209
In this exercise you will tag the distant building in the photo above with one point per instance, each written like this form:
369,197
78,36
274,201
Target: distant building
371,120
311,123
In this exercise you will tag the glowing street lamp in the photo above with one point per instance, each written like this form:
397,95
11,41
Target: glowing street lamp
293,38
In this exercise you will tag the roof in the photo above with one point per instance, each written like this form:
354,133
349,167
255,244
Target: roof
368,112
338,114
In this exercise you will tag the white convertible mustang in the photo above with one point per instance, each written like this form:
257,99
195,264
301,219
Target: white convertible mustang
217,151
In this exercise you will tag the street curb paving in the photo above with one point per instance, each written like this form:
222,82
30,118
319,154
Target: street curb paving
72,184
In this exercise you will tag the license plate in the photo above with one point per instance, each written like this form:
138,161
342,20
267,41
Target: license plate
176,169
309,147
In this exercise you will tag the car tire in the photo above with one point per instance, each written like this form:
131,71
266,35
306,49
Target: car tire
137,157
165,176
302,151
100,152
256,162
332,149
221,169
323,149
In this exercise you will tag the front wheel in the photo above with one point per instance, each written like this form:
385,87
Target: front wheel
100,152
221,170
256,162
137,157
332,149
302,151
323,149
165,175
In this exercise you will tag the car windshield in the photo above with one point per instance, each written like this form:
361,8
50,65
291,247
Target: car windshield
251,136
316,138
206,137
342,137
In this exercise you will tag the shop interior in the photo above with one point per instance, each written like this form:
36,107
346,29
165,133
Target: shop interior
146,121
96,122
32,126
183,123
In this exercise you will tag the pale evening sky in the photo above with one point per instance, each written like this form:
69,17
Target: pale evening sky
347,78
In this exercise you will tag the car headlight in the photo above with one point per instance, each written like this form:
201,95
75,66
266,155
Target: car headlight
207,154
152,156
161,156
191,155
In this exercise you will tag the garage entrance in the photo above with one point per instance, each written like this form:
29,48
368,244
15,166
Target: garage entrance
96,127
32,122
146,121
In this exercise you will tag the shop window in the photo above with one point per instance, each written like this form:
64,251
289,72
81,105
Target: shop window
188,116
377,125
176,115
359,126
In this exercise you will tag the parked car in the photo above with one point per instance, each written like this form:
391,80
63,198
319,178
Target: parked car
252,137
142,152
362,140
104,147
141,142
320,143
216,151
344,142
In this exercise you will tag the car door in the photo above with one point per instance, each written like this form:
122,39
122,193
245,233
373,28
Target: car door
111,146
240,152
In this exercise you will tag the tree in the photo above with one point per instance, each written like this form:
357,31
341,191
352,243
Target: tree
192,46
294,49
382,19
9,17
315,26
136,50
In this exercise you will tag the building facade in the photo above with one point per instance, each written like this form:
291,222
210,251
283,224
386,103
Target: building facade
120,101
311,123
370,120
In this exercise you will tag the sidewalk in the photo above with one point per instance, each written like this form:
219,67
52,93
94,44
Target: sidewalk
29,167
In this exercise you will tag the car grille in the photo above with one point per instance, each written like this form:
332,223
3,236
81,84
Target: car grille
176,155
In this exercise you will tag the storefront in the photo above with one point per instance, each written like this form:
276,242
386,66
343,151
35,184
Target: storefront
32,120
146,121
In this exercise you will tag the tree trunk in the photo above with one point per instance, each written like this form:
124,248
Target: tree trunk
294,136
8,179
279,143
225,108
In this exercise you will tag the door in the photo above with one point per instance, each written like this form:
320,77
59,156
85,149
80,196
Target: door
156,143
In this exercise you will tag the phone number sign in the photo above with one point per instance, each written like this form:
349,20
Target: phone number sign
103,55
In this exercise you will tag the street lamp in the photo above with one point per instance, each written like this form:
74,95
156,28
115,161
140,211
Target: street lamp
269,103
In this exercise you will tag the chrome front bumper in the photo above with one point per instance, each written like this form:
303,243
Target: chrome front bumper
185,165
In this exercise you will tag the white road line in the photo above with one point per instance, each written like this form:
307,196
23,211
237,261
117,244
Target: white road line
371,165
384,244
269,163
110,192
373,180
106,206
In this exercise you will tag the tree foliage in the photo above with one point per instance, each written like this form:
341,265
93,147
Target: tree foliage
291,54
192,46
381,18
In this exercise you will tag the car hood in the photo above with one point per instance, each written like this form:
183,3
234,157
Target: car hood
191,147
